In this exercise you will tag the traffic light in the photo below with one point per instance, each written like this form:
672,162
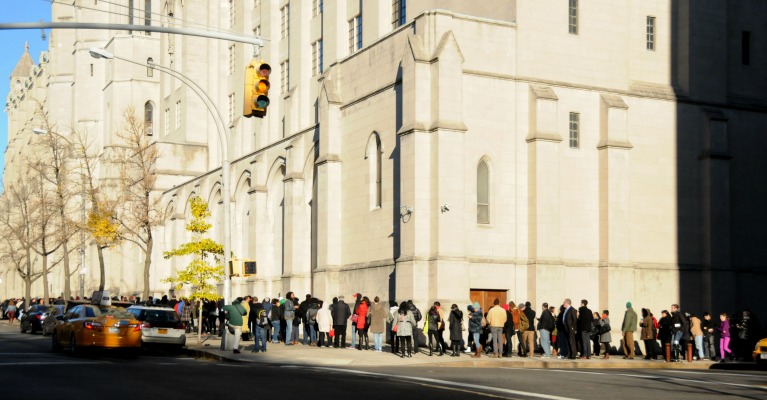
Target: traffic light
256,89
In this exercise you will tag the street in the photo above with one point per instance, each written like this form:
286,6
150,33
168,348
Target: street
31,370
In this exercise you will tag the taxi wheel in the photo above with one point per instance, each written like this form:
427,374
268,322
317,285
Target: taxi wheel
73,345
55,345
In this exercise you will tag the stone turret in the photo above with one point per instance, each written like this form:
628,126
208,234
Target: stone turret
22,70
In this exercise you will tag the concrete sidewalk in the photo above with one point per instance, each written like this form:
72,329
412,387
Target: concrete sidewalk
313,356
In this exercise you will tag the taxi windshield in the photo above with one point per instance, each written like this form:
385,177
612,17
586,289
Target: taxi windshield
114,312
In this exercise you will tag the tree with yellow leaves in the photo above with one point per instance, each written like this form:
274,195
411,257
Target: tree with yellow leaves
200,273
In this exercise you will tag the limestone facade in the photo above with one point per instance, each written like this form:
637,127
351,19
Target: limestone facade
505,146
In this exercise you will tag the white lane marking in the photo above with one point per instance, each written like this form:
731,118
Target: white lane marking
716,373
46,363
451,384
663,378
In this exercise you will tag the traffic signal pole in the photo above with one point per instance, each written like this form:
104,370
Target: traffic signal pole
257,43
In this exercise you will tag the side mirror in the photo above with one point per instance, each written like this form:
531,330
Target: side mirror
59,318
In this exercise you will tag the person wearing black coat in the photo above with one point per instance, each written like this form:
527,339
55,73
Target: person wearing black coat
341,314
585,326
508,331
456,330
570,322
546,325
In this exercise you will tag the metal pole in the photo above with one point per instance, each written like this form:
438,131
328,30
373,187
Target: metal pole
234,37
224,163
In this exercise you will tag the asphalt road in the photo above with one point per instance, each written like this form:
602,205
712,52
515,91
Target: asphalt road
29,370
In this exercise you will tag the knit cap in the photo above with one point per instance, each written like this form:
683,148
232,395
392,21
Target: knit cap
628,304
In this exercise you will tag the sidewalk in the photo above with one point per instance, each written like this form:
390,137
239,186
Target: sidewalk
313,356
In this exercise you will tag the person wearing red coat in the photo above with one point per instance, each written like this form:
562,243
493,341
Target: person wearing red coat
361,313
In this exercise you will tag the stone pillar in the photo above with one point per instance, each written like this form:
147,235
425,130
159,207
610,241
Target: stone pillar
267,272
544,237
616,276
297,265
412,270
715,207
329,206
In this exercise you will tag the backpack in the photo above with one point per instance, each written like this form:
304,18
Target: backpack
312,314
261,319
417,314
524,323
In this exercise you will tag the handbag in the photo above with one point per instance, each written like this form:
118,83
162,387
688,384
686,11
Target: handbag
394,327
230,328
355,317
331,333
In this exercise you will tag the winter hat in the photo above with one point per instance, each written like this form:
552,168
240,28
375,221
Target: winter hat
340,298
505,306
476,305
628,304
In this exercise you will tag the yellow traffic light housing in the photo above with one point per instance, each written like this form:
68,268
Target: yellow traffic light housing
256,89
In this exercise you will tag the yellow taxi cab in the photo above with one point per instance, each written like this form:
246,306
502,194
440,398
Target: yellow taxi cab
760,352
96,326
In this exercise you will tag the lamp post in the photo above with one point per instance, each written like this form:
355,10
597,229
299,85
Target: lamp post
96,52
83,270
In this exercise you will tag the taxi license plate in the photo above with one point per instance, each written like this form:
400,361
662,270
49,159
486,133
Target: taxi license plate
114,330
763,356
162,331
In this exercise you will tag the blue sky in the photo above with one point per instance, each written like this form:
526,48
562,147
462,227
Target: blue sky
12,47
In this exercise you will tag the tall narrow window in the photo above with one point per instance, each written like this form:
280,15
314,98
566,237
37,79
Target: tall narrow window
483,193
178,114
231,109
575,121
148,118
284,76
355,34
284,21
231,13
745,48
148,15
374,156
166,128
231,59
317,57
650,33
398,12
316,7
573,14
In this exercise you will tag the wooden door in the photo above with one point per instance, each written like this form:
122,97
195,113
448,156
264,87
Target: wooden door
486,298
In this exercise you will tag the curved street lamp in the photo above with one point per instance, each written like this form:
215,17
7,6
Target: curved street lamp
96,52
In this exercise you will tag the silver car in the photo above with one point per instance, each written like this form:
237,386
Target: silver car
160,326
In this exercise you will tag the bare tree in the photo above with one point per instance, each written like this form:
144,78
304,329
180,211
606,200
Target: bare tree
139,211
16,210
100,221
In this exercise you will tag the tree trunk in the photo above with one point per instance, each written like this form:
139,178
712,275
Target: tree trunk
45,280
148,263
28,279
102,279
67,287
199,325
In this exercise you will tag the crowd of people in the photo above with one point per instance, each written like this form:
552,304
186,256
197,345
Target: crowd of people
503,330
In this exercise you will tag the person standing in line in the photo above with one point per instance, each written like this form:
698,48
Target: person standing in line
697,335
341,314
362,322
585,325
275,316
724,337
595,331
605,337
377,323
324,324
529,334
289,314
570,323
432,327
475,327
357,301
647,334
441,330
496,318
233,314
628,328
508,331
708,327
405,324
546,326
456,330
259,326
677,332
391,318
417,316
